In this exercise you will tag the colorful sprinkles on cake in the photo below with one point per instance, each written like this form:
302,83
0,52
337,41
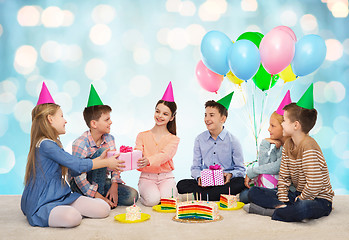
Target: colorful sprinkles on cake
228,201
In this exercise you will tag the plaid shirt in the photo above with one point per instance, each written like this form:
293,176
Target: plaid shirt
85,147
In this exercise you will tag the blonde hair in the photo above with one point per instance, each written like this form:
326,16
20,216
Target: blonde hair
278,117
40,129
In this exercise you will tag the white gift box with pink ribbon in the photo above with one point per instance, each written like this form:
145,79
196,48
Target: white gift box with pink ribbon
213,176
128,155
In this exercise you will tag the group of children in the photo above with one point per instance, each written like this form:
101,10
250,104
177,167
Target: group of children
95,186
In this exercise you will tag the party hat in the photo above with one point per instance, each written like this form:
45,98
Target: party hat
168,95
307,100
284,102
93,99
225,101
45,96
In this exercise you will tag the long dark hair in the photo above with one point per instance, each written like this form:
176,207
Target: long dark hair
171,125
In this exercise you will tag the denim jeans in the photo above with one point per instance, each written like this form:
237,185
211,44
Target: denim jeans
243,197
126,194
294,211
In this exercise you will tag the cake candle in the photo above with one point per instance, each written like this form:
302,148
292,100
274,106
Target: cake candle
207,197
229,191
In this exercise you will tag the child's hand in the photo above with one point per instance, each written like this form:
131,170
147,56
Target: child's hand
227,177
115,163
98,195
274,141
247,182
199,182
112,194
142,162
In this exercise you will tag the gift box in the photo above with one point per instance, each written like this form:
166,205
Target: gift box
212,176
128,155
267,181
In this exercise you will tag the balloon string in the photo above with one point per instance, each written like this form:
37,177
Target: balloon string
276,98
254,120
246,111
264,103
245,114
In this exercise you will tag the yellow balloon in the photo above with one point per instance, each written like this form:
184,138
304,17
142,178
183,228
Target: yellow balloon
287,74
233,78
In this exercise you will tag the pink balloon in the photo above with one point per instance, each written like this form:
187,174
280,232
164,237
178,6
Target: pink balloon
209,80
288,30
277,50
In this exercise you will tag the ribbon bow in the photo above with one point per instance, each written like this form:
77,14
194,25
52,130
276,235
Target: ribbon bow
125,149
215,167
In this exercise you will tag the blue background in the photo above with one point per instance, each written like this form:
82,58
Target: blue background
130,50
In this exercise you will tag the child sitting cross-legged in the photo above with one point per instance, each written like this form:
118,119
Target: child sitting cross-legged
216,146
96,183
302,165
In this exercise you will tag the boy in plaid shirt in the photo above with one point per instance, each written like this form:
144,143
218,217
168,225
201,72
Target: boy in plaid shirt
91,144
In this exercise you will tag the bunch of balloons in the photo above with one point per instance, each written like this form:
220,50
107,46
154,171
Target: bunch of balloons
262,58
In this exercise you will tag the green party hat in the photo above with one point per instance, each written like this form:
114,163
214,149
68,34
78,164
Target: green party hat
225,101
307,100
93,99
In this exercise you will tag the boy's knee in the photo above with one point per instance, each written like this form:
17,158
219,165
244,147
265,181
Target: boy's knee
184,186
132,197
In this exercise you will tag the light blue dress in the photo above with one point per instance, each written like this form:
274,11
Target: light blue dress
48,190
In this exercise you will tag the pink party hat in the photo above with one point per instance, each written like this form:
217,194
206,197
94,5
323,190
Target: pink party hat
284,102
45,96
168,95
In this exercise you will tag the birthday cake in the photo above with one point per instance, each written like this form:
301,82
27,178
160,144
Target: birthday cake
228,201
168,203
197,209
133,213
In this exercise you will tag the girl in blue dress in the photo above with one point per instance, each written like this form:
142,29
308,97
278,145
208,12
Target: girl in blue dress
47,199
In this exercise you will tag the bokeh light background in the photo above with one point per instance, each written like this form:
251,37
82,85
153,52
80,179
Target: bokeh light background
130,50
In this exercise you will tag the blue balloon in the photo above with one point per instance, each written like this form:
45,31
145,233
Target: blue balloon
214,50
309,55
244,59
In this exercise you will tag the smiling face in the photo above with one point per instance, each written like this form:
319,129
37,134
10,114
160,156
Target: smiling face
57,121
102,125
214,120
162,115
275,129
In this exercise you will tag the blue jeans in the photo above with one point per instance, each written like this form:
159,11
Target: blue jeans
294,211
244,196
126,194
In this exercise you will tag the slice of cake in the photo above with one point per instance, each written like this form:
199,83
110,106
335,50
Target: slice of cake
197,209
133,213
168,203
228,201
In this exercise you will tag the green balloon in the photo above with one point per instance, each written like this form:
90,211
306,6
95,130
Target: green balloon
262,79
254,37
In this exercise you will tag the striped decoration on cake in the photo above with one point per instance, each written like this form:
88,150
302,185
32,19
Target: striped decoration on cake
197,209
168,203
228,201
